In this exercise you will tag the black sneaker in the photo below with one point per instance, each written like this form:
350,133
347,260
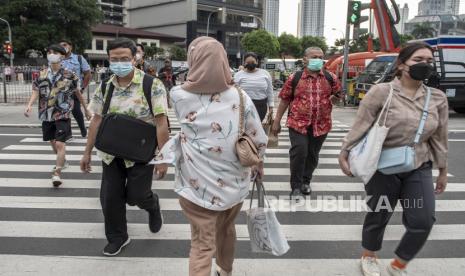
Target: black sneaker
113,249
155,217
296,195
305,189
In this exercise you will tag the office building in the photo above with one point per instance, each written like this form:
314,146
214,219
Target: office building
114,11
312,18
438,7
271,16
225,20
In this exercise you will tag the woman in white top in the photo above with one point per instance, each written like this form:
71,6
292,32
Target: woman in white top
257,83
209,179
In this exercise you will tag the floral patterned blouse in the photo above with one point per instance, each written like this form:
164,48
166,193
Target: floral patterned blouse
130,100
208,172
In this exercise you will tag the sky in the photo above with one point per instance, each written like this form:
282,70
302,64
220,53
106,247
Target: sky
335,16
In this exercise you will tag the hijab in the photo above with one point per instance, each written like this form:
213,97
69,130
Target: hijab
209,71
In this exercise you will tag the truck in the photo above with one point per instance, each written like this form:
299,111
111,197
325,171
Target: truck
449,75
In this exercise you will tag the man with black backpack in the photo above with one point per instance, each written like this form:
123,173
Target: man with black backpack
129,122
309,94
79,65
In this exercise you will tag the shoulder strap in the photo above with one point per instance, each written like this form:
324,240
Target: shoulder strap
329,78
241,111
107,98
295,81
80,61
147,83
424,116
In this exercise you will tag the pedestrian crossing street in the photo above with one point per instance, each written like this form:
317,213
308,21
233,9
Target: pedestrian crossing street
47,231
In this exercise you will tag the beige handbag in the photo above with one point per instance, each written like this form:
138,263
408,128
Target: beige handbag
246,150
272,139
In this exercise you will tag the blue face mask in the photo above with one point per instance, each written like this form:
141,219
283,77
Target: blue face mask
121,69
315,64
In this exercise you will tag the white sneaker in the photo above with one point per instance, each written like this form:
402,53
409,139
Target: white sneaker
221,272
65,166
394,271
370,266
56,181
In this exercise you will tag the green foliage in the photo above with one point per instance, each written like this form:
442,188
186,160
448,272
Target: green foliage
36,24
289,46
178,53
153,51
404,38
423,30
313,41
261,42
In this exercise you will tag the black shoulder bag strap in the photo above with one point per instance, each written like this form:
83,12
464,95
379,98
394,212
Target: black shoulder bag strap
107,98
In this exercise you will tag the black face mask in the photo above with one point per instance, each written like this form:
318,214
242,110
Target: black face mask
250,66
420,71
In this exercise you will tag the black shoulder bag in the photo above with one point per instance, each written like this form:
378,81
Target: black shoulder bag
124,136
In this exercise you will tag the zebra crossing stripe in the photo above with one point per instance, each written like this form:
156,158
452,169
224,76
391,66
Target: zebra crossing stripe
98,169
71,230
324,204
14,264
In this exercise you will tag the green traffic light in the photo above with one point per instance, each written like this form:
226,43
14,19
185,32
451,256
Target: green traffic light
353,18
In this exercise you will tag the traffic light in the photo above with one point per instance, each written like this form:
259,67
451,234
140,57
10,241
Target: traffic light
7,48
355,8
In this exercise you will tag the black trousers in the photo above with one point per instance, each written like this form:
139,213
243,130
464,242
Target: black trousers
415,191
121,185
304,155
262,107
79,117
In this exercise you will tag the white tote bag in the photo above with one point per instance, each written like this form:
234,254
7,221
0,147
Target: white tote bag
364,157
266,235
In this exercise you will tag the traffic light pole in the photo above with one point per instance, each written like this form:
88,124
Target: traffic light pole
346,56
9,38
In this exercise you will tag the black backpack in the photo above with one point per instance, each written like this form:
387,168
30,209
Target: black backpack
124,136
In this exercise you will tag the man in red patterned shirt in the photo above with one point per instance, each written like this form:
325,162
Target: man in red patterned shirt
309,117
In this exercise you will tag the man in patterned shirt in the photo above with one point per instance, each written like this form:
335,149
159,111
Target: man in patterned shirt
124,181
56,87
310,104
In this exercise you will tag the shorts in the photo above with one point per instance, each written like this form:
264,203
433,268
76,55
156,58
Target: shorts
57,130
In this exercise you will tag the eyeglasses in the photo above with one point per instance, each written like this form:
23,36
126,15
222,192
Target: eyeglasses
125,59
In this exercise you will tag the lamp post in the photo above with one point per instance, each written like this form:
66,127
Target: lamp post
9,38
208,19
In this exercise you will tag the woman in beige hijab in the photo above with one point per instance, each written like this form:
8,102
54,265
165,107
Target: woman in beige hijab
209,179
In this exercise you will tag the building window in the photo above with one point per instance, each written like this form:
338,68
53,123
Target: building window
99,44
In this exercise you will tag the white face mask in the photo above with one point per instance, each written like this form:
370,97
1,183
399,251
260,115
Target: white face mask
54,58
138,56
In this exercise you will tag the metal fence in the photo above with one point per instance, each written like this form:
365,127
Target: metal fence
16,85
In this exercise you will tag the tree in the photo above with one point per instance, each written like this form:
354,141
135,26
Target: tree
153,51
289,46
261,42
404,38
313,41
36,24
423,30
178,53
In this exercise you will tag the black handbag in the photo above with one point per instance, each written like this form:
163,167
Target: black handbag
124,136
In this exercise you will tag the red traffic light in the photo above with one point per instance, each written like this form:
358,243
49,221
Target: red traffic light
7,48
